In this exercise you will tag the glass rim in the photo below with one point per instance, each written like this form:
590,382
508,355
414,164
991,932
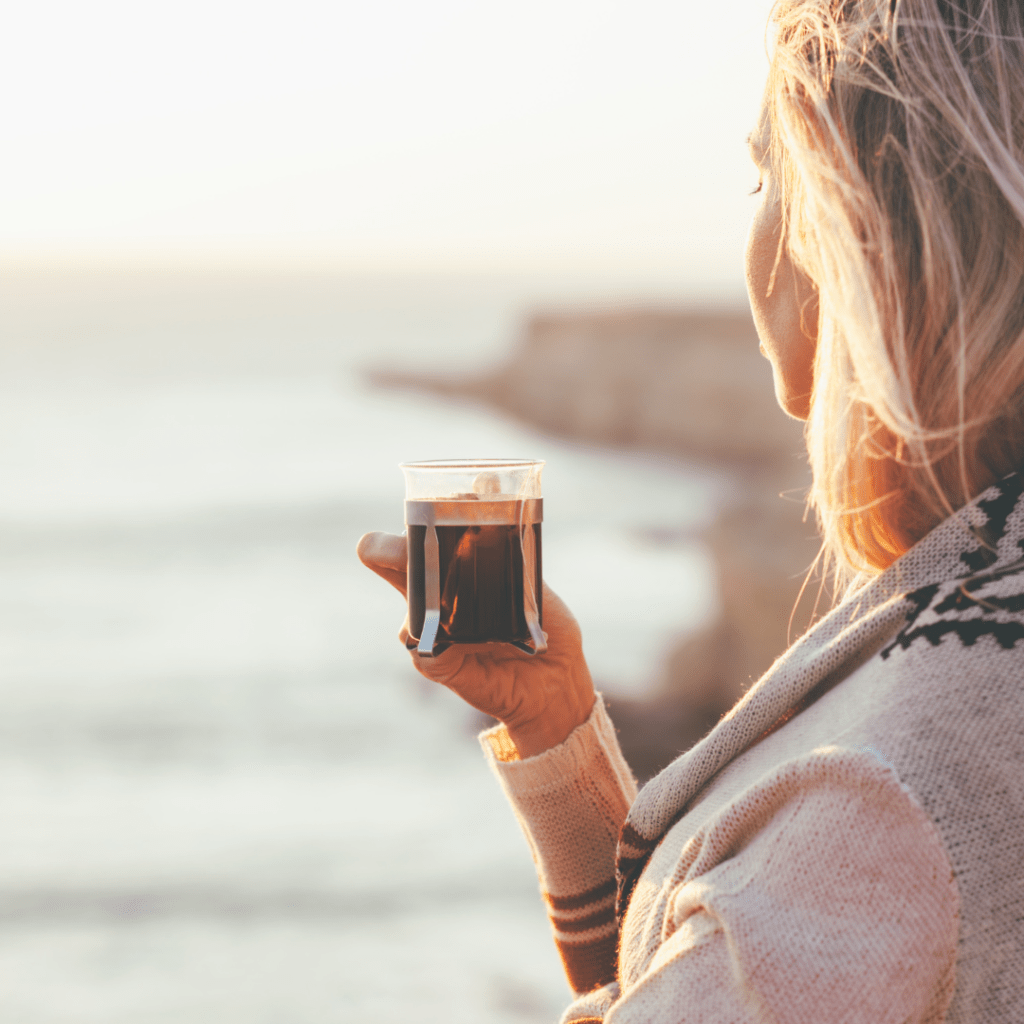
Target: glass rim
457,464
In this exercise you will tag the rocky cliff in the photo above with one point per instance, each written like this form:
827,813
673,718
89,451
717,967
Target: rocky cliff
679,381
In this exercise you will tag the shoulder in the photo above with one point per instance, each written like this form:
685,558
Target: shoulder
944,698
807,806
823,872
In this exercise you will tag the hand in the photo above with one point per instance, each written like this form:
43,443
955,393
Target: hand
540,698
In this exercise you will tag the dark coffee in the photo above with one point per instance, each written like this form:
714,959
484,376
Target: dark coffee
484,583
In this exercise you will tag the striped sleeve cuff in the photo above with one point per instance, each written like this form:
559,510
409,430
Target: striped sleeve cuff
571,802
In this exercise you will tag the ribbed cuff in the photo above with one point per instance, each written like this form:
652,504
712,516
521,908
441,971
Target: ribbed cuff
588,746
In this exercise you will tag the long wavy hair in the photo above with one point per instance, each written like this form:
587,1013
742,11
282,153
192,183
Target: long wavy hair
897,132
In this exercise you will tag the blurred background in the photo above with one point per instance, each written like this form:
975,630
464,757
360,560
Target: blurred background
251,257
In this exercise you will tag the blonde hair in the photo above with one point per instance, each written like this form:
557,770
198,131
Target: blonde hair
897,132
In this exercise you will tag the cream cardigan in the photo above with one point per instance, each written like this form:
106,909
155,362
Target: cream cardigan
846,845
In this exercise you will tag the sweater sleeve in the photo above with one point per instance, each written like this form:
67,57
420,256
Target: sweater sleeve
571,802
823,893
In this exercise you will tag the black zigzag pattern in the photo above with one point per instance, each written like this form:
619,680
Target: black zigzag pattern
998,510
1006,633
962,598
920,599
968,630
984,621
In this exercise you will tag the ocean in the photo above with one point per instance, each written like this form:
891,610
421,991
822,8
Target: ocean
226,794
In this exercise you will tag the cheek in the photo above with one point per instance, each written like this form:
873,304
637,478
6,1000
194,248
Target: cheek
759,262
763,245
777,317
752,260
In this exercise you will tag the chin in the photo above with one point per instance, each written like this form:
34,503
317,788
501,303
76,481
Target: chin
796,405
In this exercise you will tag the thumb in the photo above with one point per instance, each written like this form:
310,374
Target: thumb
385,554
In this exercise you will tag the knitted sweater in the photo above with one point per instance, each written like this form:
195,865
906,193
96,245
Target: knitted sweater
846,845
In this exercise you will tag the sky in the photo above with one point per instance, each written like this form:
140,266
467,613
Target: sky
391,133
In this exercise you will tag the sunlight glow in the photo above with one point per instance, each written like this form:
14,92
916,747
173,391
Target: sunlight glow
393,132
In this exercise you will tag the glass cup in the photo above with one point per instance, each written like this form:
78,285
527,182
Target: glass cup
473,529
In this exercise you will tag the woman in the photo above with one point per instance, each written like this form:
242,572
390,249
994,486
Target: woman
846,844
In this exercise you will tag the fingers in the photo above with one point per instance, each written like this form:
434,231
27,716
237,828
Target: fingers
385,554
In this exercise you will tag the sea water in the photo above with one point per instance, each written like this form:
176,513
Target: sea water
226,795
